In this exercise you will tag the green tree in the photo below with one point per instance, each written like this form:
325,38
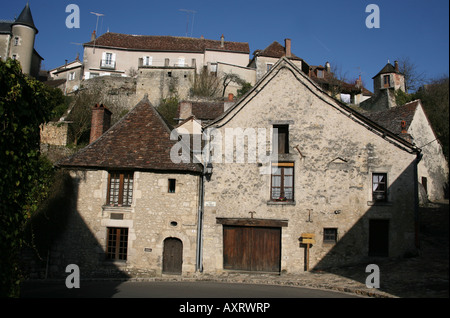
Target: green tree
25,104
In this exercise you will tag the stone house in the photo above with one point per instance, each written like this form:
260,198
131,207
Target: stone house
17,39
385,83
336,179
69,74
410,122
135,211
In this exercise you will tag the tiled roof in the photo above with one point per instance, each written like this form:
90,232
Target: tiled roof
25,18
388,68
276,50
392,118
204,110
139,141
166,43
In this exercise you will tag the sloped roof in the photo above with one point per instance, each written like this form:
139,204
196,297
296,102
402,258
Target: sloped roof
276,50
388,68
166,43
306,80
392,118
139,141
25,18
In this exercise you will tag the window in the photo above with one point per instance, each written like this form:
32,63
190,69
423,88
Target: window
71,76
16,41
147,60
108,60
282,185
281,133
269,66
120,188
320,73
117,243
14,57
387,81
330,235
172,183
379,187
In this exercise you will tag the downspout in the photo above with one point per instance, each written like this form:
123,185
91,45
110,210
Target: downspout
199,262
416,197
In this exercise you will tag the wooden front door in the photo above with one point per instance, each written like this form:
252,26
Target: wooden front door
252,248
172,256
378,237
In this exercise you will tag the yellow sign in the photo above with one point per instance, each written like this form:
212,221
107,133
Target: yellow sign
308,241
308,235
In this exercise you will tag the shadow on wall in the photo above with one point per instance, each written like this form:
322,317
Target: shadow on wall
57,236
386,235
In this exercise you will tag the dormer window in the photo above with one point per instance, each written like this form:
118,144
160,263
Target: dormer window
320,73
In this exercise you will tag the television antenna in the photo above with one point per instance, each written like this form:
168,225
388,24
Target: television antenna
187,21
96,26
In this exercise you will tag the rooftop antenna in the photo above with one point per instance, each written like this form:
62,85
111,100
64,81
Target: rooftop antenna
96,26
187,22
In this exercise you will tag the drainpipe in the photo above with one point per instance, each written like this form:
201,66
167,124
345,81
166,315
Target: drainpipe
199,262
416,197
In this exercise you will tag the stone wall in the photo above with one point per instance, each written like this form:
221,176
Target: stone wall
153,216
55,133
334,158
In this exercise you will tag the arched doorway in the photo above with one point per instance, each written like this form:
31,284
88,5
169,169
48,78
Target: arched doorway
172,256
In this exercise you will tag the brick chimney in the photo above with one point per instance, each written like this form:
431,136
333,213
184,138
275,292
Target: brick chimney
93,36
222,41
396,67
100,122
287,47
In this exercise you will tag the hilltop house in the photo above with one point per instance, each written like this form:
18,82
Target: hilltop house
17,42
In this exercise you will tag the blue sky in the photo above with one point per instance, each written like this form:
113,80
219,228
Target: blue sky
320,30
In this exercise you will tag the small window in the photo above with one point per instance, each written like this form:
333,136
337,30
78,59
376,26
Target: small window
14,57
16,41
379,187
269,66
281,134
330,235
117,243
172,184
320,73
120,188
169,74
387,81
282,182
71,76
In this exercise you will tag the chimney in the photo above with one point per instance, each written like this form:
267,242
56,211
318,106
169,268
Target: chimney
93,36
396,67
287,46
100,122
230,97
328,67
222,43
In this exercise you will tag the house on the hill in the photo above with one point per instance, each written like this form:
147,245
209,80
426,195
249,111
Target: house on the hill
17,38
136,210
410,122
335,180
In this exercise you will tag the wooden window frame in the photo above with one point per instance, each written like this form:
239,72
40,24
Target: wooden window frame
386,80
282,135
116,243
379,195
283,166
124,178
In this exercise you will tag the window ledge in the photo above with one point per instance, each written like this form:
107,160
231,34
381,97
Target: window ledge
112,208
379,203
280,202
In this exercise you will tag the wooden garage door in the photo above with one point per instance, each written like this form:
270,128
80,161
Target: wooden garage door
251,248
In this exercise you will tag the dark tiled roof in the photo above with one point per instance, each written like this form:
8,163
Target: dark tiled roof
392,118
388,68
5,26
276,50
139,141
25,18
204,110
166,43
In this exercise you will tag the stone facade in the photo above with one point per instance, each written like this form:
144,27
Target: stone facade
334,155
154,215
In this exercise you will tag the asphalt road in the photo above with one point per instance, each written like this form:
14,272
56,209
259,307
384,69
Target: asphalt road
118,289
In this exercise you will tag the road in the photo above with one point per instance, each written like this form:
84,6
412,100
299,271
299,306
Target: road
119,289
